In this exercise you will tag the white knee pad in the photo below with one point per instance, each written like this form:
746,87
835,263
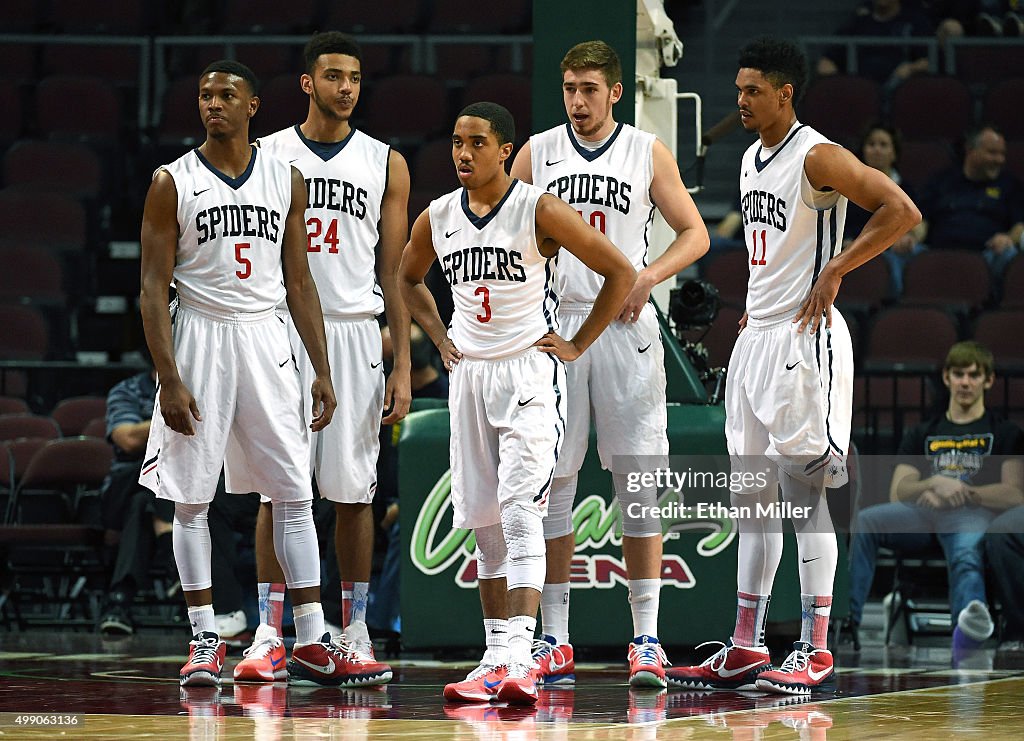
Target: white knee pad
638,505
295,543
491,553
524,538
191,542
558,521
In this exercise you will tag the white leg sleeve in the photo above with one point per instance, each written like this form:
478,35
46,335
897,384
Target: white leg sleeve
191,541
491,553
638,520
760,547
524,537
295,543
815,535
558,521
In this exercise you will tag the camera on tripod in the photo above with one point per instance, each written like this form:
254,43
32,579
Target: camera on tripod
693,307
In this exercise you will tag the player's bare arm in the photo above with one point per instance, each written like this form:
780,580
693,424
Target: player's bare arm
559,224
680,212
394,229
417,258
522,166
830,167
304,304
159,248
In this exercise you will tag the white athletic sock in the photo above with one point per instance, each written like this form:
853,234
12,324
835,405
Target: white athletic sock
202,619
644,598
520,639
309,622
496,636
554,611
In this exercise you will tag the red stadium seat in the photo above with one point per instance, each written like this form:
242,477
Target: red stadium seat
394,16
31,274
62,229
861,103
932,107
928,280
59,167
11,123
74,108
510,90
920,161
865,289
464,16
433,168
904,335
73,414
17,426
1013,285
1000,332
282,104
269,16
408,107
24,334
1002,106
13,405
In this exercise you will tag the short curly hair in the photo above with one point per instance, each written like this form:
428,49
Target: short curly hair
779,60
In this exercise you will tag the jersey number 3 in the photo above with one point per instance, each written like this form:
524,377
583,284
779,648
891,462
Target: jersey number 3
485,305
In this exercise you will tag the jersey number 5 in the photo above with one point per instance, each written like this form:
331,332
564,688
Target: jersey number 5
764,248
485,305
245,262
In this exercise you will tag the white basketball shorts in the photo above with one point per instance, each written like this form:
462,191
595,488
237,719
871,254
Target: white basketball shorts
619,383
239,369
507,427
789,397
343,455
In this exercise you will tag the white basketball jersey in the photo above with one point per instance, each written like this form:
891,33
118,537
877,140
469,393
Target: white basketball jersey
230,232
791,230
609,186
503,288
345,181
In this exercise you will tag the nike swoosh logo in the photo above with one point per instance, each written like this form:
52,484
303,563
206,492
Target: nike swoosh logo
492,685
198,192
727,673
548,163
791,367
815,676
808,560
448,234
281,365
495,631
556,665
524,403
644,349
329,669
376,365
294,160
275,662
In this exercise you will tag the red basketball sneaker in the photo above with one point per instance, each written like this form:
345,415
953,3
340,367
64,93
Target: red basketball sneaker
519,686
264,660
731,668
807,669
480,685
318,664
647,662
205,661
555,662
362,666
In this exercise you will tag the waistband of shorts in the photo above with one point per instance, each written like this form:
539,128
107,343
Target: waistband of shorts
222,315
354,318
772,320
575,307
503,358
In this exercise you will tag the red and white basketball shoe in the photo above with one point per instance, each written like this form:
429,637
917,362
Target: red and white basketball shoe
647,662
731,668
205,661
807,669
480,685
555,664
264,660
519,686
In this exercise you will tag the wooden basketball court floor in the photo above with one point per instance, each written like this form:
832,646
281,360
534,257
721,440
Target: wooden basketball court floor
129,689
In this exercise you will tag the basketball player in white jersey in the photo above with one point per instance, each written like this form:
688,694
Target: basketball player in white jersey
225,223
358,193
789,389
495,239
614,175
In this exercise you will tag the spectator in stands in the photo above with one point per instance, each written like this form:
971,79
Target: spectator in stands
880,148
887,65
946,488
1004,550
728,233
978,205
955,18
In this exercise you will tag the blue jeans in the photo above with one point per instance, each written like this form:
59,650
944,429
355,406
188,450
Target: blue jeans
897,264
909,528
